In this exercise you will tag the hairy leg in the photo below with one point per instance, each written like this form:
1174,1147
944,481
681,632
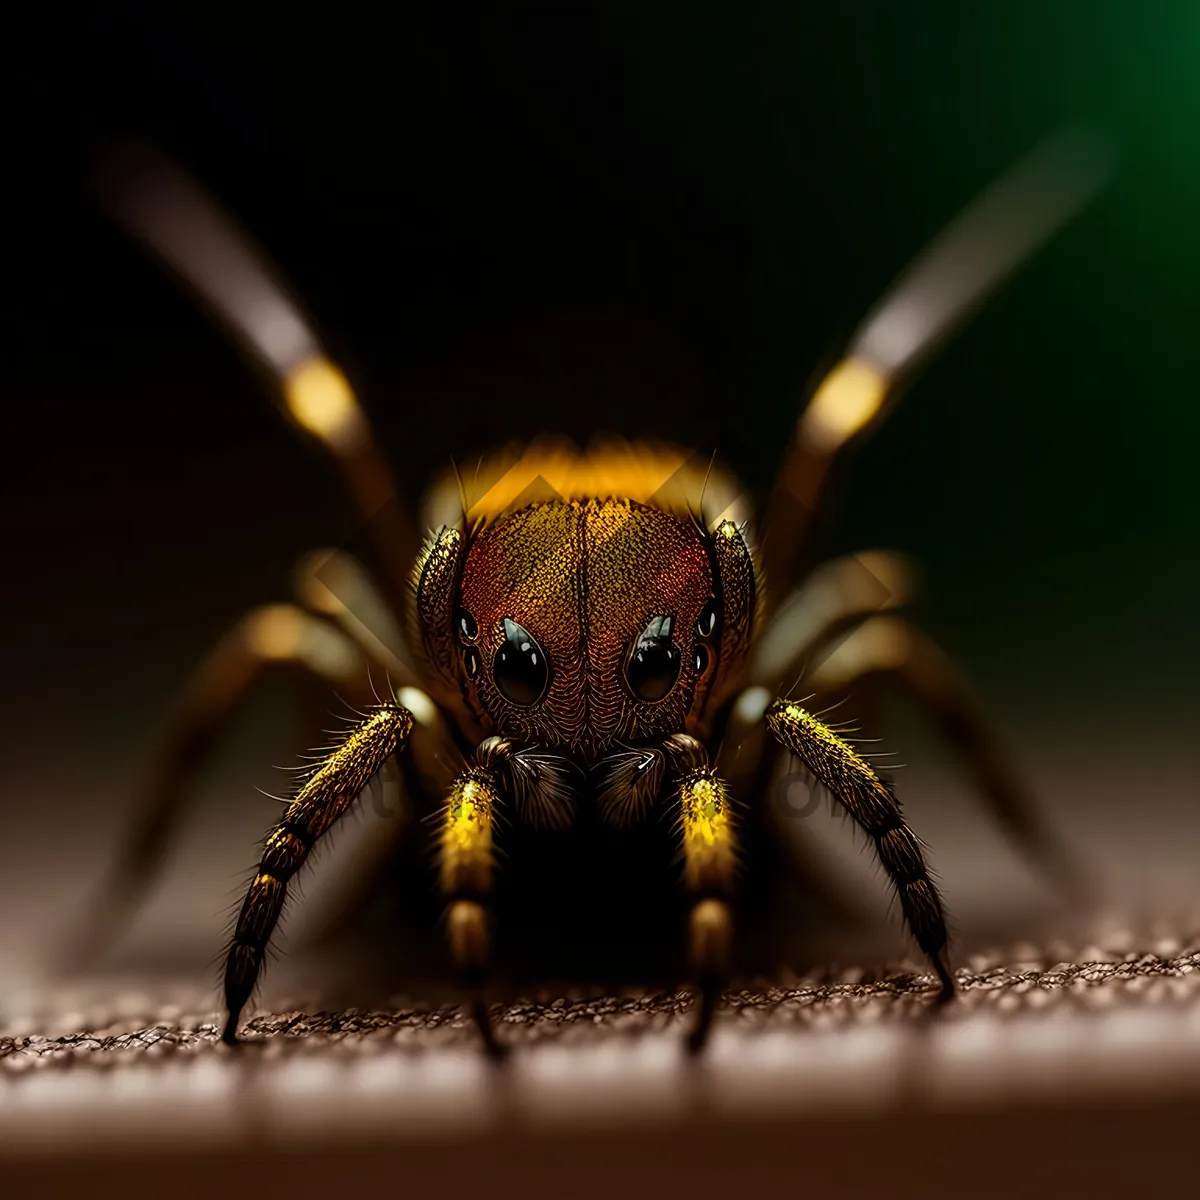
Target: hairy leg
326,795
465,867
708,838
871,803
749,762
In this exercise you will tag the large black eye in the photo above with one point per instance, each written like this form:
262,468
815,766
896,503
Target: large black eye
653,663
520,668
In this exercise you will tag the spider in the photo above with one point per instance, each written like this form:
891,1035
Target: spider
592,634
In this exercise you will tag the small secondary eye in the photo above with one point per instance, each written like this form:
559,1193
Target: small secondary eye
653,665
468,630
700,662
520,667
708,619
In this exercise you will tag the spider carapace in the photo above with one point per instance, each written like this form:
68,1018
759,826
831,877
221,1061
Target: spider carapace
594,633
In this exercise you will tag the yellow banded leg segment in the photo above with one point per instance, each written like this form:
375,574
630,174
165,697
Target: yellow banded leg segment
465,858
709,869
873,805
890,647
331,787
465,866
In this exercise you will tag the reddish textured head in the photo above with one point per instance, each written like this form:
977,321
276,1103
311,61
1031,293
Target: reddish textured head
585,622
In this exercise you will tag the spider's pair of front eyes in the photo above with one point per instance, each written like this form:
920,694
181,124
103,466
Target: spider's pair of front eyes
521,670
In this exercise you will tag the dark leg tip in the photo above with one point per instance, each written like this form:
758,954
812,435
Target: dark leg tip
495,1049
949,989
229,1033
706,1006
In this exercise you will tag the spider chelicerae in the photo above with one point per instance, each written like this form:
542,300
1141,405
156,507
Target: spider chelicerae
589,635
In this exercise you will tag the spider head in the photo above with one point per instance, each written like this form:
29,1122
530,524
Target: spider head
584,623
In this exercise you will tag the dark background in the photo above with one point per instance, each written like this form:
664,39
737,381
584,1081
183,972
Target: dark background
648,218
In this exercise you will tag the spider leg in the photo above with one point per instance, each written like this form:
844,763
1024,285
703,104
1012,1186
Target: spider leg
465,868
829,634
170,214
324,797
336,585
423,780
876,810
751,774
834,599
970,258
829,604
708,837
892,647
265,639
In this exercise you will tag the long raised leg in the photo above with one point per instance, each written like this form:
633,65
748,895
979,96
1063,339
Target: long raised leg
889,646
870,801
157,202
268,638
708,837
324,797
942,286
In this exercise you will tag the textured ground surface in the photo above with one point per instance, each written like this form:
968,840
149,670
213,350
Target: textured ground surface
1110,978
1086,1071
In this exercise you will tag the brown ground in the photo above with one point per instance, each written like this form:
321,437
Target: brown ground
1086,1073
